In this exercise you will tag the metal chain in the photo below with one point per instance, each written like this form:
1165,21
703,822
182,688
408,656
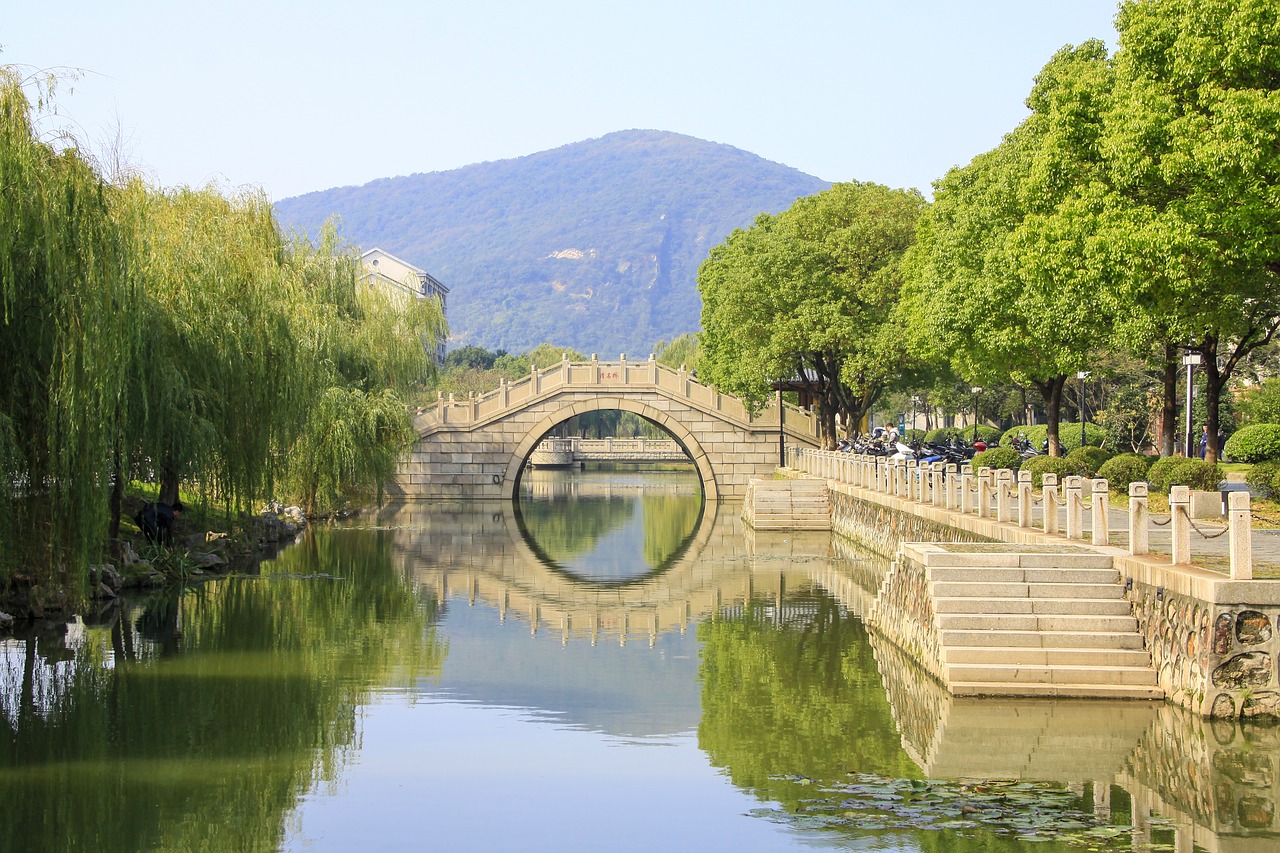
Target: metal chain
1162,523
1207,535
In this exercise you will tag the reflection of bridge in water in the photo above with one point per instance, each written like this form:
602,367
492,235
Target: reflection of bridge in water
478,552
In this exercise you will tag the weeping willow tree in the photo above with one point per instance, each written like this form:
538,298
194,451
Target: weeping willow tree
69,330
176,335
364,350
213,383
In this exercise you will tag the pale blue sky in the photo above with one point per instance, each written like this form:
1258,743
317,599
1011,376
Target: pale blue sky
295,97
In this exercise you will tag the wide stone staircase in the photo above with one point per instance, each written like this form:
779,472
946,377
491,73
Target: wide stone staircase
1036,624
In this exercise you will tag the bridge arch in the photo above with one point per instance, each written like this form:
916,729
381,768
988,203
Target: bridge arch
686,439
475,448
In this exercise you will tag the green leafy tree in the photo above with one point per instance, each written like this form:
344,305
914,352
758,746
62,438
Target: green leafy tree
807,294
1190,144
995,283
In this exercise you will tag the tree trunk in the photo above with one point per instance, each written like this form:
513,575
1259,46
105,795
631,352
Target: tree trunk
1214,381
1051,391
168,485
1169,401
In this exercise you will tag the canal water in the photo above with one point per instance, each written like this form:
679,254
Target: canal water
609,664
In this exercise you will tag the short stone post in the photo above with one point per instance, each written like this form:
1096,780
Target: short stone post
899,477
1004,495
1139,533
1101,504
1025,501
935,483
966,487
985,486
951,477
1180,524
1049,496
912,469
1072,487
1240,520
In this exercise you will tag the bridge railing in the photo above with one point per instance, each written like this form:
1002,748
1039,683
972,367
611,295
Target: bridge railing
601,376
1007,496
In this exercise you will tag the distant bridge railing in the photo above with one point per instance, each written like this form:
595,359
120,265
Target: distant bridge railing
603,376
567,451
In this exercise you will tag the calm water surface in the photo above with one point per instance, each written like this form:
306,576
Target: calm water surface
608,665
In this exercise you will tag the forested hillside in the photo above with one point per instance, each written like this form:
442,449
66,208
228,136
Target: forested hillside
594,245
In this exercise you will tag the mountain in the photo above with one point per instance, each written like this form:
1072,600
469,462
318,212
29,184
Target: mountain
594,245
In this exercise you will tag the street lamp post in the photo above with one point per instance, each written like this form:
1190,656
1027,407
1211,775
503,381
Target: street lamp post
1191,359
1082,375
977,389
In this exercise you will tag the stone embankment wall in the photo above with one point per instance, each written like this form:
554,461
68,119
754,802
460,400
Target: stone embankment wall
1215,643
1218,659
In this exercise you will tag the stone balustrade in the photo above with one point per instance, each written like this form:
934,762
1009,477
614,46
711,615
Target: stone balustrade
1005,497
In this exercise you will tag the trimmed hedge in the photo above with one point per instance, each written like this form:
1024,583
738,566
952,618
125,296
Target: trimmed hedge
1120,471
1068,435
1041,465
1254,443
991,435
1262,479
1092,458
1196,474
997,458
1180,471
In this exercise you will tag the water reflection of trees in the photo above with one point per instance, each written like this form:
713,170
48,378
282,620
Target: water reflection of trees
195,722
784,697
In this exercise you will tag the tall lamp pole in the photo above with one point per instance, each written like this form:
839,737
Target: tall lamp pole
1191,359
1082,376
977,389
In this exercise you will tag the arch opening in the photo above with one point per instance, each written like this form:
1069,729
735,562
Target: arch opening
682,436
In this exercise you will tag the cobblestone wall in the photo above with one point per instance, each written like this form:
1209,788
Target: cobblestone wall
1218,660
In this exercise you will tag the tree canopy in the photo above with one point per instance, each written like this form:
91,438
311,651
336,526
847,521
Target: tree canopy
807,295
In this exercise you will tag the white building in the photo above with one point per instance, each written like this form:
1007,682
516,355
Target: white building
403,277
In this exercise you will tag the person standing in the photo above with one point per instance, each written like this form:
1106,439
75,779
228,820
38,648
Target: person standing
1204,440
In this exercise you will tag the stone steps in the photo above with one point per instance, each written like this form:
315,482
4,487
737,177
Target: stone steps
1036,624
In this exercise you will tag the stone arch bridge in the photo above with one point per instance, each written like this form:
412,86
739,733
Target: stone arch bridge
477,448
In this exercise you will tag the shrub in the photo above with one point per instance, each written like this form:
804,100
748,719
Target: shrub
1158,473
1124,469
1090,457
1041,465
997,457
990,435
1254,443
1068,435
1196,474
1262,479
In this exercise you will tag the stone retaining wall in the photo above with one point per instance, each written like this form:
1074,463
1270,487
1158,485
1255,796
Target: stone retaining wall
1215,642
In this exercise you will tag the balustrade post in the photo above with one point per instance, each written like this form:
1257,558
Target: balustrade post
473,410
1004,495
440,406
1049,496
935,483
505,388
966,488
1240,521
1139,533
1101,505
912,470
653,369
1180,524
951,477
984,491
535,381
622,359
1025,501
1073,487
